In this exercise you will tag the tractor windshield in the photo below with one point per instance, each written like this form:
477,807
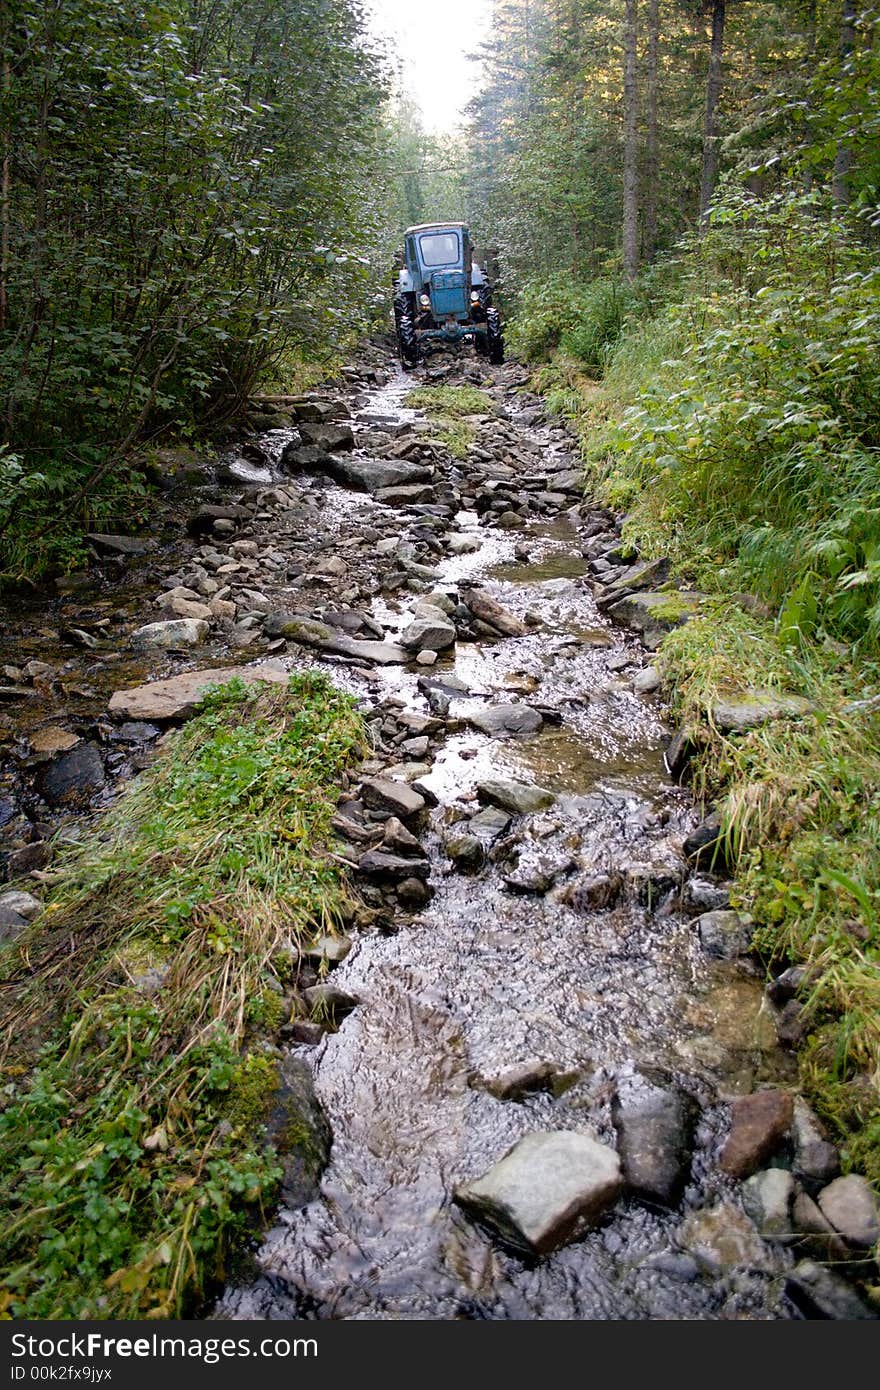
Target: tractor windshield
440,248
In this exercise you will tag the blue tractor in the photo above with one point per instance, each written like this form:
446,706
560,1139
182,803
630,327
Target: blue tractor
441,296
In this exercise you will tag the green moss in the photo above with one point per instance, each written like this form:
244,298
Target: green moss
252,1088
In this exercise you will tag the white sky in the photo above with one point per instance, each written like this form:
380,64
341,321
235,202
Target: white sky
432,41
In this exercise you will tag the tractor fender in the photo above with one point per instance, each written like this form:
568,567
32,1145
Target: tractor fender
404,282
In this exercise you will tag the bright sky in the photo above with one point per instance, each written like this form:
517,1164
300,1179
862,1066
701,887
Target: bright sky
432,41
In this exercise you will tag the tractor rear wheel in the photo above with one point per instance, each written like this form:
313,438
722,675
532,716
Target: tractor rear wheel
494,339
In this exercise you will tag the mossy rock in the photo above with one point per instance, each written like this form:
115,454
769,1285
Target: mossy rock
299,1131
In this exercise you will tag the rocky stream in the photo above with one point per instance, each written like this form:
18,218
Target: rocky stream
557,1083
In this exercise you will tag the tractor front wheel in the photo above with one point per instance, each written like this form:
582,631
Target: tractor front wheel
494,339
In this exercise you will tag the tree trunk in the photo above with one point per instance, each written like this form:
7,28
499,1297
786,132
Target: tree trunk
652,142
811,58
840,177
630,144
710,128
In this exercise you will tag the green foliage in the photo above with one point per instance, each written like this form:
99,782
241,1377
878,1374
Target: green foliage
184,214
583,320
133,1149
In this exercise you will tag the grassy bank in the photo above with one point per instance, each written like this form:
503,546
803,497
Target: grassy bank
733,413
138,1013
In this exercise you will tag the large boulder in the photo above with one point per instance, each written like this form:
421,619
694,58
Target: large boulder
546,1191
172,635
376,475
74,778
497,720
652,614
332,437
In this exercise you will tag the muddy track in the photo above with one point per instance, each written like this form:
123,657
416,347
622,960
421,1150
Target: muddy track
518,969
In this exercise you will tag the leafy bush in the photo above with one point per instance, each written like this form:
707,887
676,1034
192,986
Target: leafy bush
583,319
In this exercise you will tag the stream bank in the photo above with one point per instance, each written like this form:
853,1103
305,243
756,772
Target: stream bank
537,954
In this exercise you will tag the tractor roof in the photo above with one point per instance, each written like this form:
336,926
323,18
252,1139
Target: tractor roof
435,227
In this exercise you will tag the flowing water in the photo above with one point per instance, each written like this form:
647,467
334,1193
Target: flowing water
486,978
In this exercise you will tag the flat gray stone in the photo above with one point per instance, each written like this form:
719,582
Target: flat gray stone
519,798
178,632
178,697
546,1191
816,1159
331,437
652,614
767,1198
374,475
121,545
853,1209
386,794
394,868
497,720
24,904
492,613
756,707
429,633
725,934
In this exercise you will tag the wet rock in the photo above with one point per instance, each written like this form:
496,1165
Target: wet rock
536,874
654,1121
409,495
463,543
790,1023
395,798
204,520
786,985
642,575
23,904
497,720
593,892
372,653
725,935
647,681
682,747
705,846
853,1209
12,924
722,1238
333,438
820,1293
74,778
329,1001
398,839
816,1160
519,798
466,852
328,949
492,613
297,629
392,868
178,697
756,707
652,615
546,1191
413,893
487,825
304,1031
46,743
299,1131
705,895
515,1082
767,1198
121,545
759,1123
376,475
168,636
814,1233
429,633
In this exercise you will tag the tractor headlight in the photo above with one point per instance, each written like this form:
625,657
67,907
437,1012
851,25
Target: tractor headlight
475,296
425,301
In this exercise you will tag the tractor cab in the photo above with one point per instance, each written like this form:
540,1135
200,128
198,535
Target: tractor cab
441,295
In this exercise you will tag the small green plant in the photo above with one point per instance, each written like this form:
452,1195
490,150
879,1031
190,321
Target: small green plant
448,407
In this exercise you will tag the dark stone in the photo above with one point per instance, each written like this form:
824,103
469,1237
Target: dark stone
299,1130
786,985
203,520
329,1000
74,778
818,1293
790,1024
655,1123
593,892
392,868
706,847
120,545
11,924
414,893
333,438
395,798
